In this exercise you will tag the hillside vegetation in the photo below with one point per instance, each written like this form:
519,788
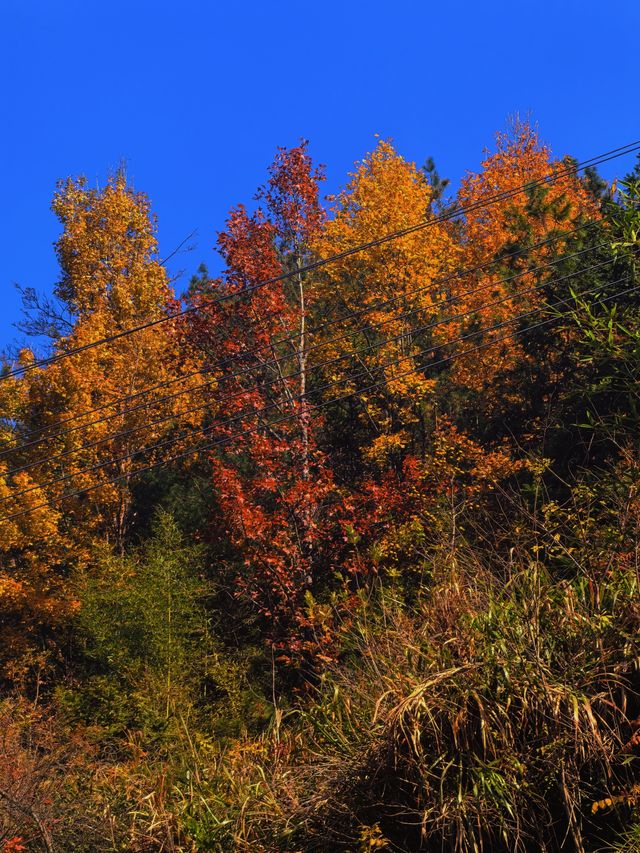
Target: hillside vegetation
339,551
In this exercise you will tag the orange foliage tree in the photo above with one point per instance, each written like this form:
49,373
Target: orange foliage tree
388,295
53,445
500,236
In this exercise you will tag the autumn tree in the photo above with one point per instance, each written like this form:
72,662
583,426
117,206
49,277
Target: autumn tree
520,215
74,423
386,298
273,486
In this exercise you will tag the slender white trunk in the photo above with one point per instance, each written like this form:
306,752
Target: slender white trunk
307,539
302,366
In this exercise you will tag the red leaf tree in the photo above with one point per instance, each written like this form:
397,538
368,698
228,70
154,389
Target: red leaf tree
276,492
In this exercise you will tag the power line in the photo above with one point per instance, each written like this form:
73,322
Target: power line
318,366
630,148
228,439
204,430
352,315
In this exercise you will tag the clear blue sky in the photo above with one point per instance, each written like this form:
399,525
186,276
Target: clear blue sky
195,96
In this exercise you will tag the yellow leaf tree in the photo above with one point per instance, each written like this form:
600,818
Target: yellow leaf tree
75,423
388,294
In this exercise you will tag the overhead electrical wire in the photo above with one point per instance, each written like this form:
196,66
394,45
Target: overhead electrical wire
324,404
602,158
329,342
228,439
47,435
313,367
630,148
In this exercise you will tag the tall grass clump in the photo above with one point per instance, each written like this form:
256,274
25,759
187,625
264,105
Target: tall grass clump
495,713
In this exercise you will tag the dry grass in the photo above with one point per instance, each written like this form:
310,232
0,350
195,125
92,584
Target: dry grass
497,713
489,719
